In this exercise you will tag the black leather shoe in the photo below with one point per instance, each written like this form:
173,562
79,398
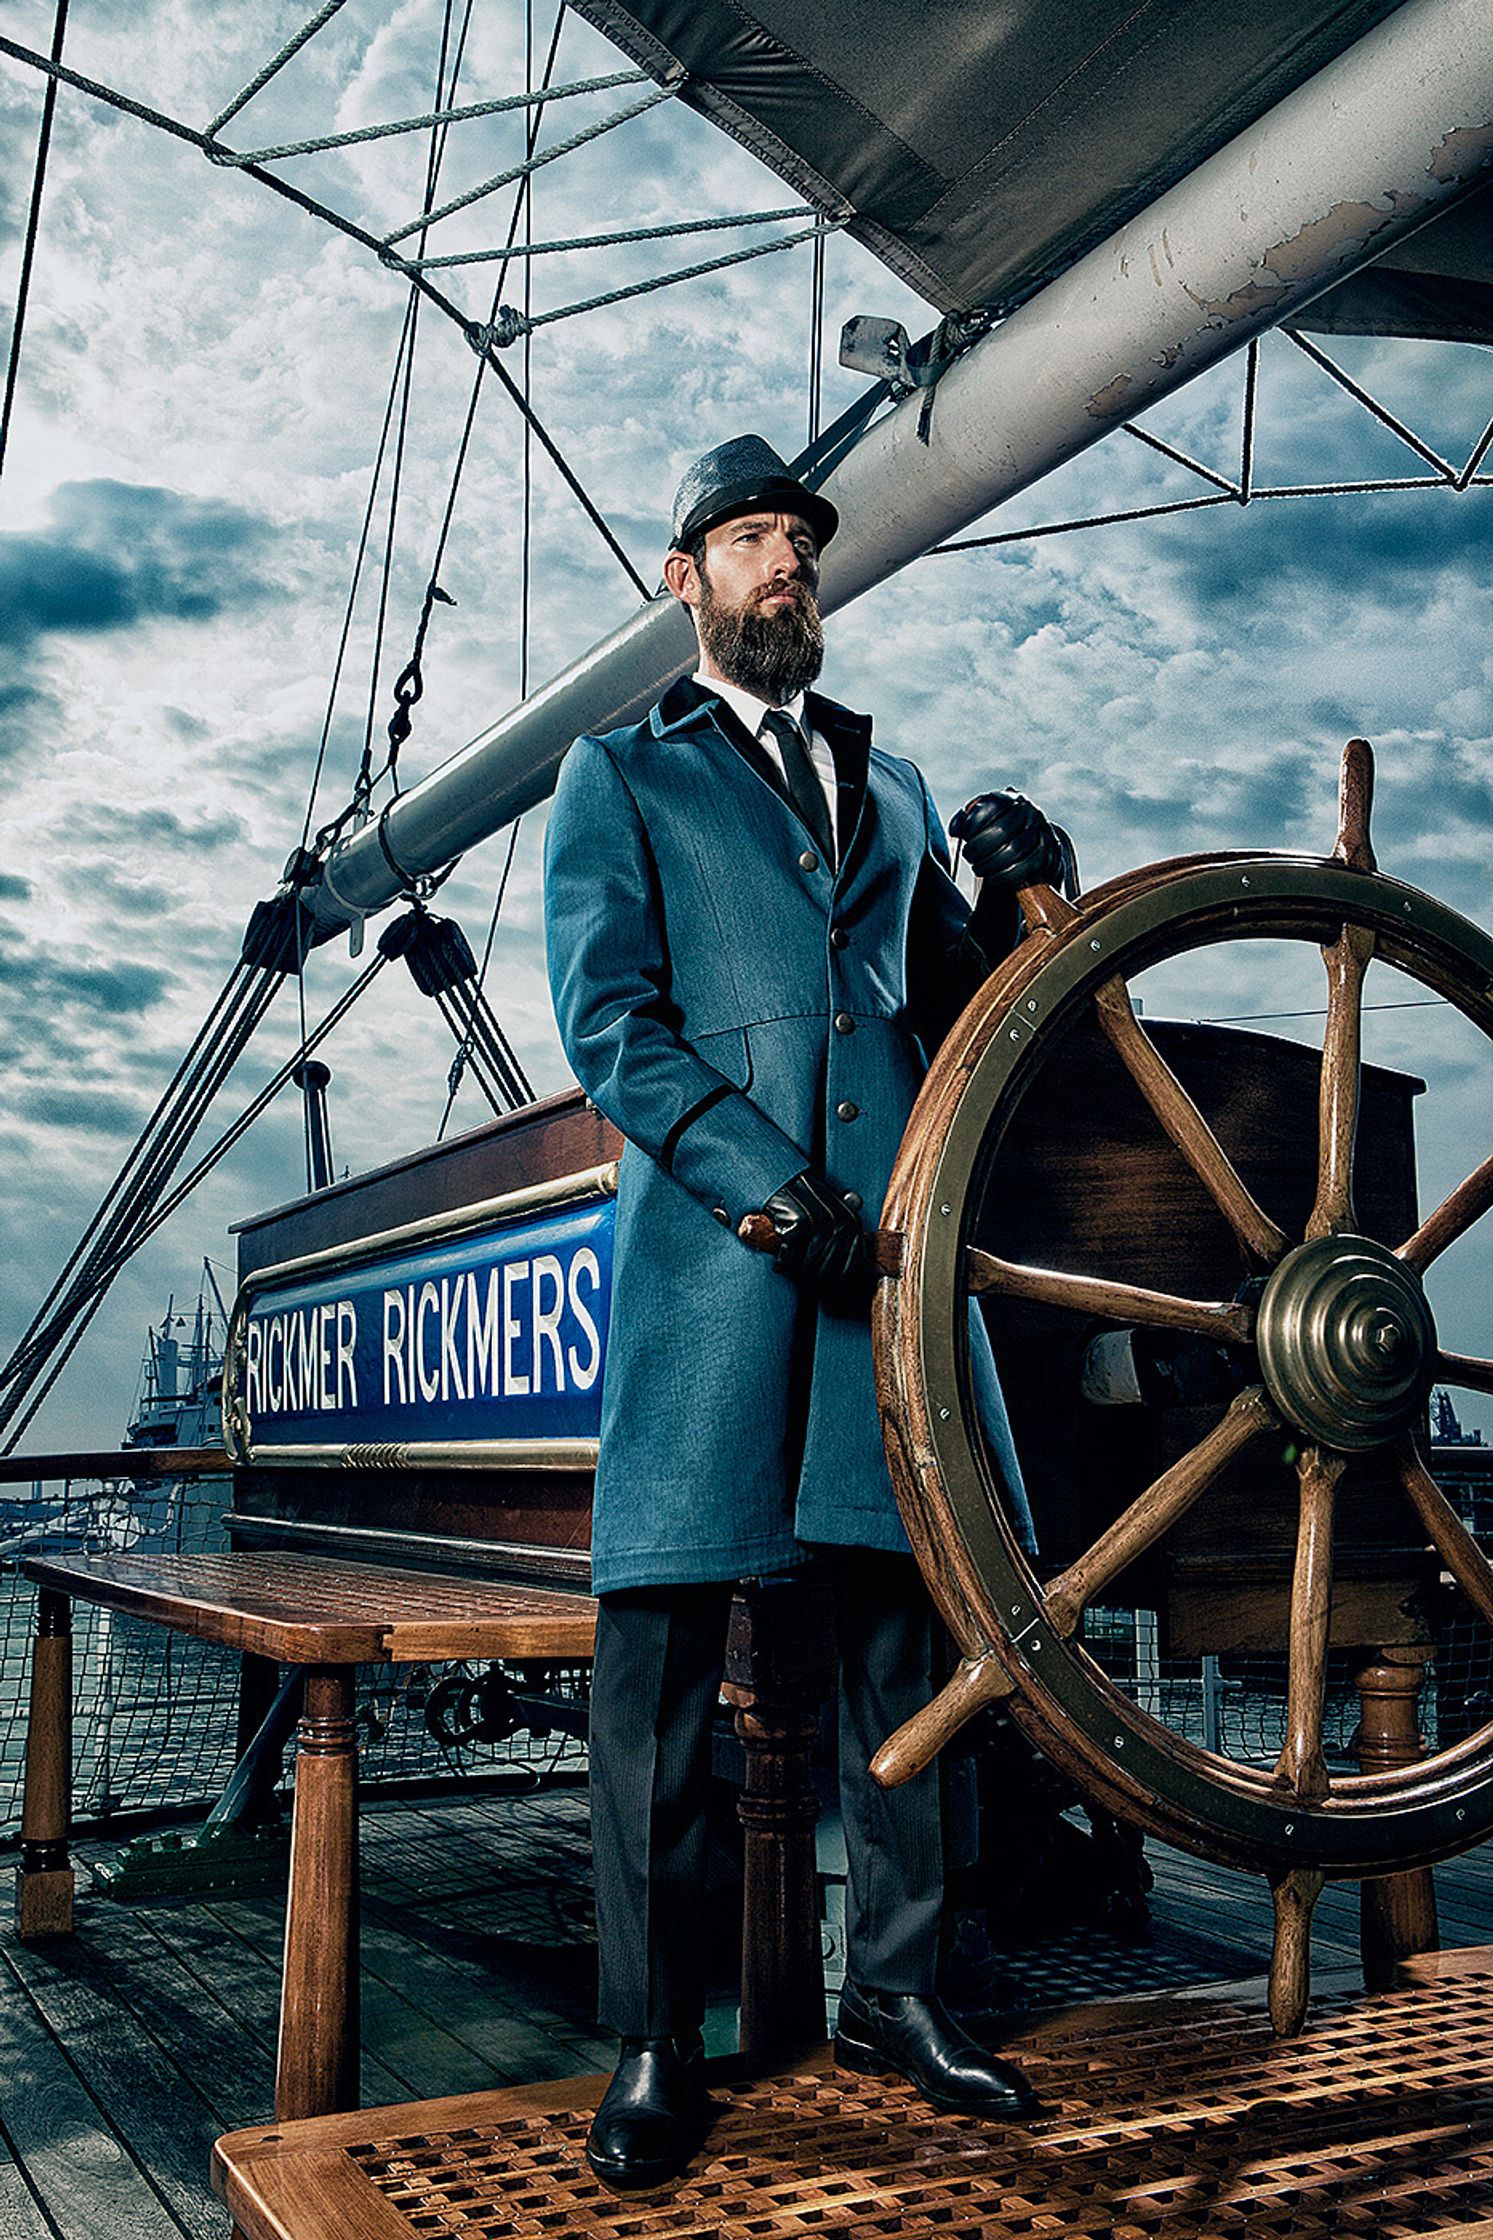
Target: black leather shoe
881,2031
654,2114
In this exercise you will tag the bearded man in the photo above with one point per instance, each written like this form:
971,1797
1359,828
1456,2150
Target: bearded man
755,944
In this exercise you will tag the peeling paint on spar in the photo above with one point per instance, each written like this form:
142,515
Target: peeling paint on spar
1337,242
1463,154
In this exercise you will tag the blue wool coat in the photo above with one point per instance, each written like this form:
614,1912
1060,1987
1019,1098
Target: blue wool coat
740,1010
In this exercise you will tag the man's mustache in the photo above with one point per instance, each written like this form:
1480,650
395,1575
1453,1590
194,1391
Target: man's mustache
802,591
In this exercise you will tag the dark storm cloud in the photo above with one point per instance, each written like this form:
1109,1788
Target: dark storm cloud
120,553
1386,549
125,898
131,830
45,984
26,715
98,1112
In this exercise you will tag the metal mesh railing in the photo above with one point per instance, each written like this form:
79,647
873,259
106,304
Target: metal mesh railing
1236,1705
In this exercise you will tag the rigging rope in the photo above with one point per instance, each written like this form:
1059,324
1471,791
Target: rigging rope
68,1332
581,139
816,341
33,221
324,837
441,116
277,63
603,240
511,324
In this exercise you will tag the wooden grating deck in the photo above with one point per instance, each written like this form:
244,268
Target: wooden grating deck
128,2049
1171,2119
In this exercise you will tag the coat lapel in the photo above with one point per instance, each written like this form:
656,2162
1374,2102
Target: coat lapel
689,710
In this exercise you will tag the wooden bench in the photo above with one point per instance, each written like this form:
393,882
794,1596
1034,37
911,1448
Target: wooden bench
329,1617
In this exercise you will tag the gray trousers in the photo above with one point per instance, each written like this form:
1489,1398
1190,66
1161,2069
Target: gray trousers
660,1653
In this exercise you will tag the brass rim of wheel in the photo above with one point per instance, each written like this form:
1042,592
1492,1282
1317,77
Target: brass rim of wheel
1343,1339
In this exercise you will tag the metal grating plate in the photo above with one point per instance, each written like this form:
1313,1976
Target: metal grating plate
1179,2119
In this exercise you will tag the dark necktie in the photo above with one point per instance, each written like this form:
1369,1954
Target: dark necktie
804,788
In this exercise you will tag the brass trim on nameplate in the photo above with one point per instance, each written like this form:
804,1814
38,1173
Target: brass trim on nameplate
536,1197
431,1454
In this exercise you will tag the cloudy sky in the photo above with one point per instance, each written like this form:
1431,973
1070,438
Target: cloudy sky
202,388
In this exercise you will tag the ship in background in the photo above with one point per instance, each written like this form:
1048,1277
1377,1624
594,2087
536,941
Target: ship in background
178,1403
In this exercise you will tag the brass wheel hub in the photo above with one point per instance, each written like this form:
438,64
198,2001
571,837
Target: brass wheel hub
1346,1341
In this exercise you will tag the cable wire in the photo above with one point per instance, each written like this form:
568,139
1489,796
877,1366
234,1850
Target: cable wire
33,222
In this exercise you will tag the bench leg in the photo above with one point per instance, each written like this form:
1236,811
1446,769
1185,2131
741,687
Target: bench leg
44,1882
317,2071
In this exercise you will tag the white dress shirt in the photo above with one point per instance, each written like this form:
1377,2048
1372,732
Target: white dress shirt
749,711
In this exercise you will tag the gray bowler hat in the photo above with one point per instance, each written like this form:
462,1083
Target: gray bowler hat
736,476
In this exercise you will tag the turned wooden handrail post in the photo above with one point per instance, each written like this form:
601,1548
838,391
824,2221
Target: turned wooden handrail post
44,1881
779,1669
1397,1912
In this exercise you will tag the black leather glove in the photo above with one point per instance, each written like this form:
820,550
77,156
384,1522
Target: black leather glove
820,1241
1007,840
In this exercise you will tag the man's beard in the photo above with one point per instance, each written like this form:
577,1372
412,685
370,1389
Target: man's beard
773,655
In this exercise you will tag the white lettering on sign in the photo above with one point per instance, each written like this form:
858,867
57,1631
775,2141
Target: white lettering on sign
585,1263
393,1345
547,1319
489,1333
301,1362
484,1369
515,1272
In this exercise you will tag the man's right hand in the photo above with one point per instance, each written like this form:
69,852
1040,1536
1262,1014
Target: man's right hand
820,1241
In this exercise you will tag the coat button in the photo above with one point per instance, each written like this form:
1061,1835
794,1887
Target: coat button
854,1200
844,1024
847,1111
808,861
838,938
722,1216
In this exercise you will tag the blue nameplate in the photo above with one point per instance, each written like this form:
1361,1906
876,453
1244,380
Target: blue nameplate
490,1337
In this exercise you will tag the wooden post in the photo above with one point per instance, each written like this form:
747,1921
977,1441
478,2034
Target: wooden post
779,1668
1397,1911
317,2069
44,1882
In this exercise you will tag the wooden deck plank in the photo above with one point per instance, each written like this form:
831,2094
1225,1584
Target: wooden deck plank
239,1943
21,2216
511,2032
139,1970
153,2101
71,2154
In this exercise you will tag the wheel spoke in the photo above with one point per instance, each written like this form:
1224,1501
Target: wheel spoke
1463,1558
1347,961
1301,1762
1043,909
1295,1894
1455,1214
1465,1368
1355,802
1185,1125
1225,1321
1158,1508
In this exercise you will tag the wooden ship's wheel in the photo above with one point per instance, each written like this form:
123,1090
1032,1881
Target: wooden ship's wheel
1334,1341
